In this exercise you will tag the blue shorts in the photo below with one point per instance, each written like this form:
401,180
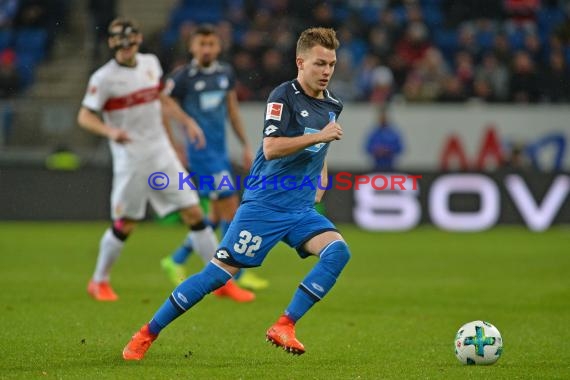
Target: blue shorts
255,230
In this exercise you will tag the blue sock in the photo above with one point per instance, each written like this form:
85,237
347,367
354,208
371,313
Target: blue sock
320,279
183,252
187,294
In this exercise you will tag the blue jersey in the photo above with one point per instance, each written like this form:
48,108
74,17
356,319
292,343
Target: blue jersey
290,183
202,93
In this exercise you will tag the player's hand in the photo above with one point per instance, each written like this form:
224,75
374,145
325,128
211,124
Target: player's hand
195,134
120,136
247,158
332,131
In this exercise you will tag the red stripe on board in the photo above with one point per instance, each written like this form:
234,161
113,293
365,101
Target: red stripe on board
146,95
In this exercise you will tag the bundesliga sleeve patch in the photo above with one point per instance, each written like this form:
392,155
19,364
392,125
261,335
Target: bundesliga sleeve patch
274,111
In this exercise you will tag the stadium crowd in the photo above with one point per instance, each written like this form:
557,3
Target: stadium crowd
28,29
417,50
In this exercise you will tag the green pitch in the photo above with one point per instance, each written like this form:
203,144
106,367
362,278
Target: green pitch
393,314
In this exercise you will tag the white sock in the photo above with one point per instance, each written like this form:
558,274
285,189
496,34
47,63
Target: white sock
109,249
205,242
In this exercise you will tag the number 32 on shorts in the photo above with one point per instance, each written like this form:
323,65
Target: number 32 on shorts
247,243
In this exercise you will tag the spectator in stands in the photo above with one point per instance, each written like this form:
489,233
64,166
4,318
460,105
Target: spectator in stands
483,91
424,82
8,9
379,42
467,41
384,143
323,15
10,81
534,48
452,90
502,49
412,47
394,33
364,74
497,75
555,80
382,85
247,76
48,15
465,70
522,13
273,72
524,85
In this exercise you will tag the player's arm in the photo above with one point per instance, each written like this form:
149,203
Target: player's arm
237,126
172,109
324,183
277,147
91,121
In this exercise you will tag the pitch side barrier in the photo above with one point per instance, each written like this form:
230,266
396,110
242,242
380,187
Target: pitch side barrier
458,201
454,201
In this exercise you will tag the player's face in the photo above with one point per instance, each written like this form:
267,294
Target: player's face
316,67
205,48
126,46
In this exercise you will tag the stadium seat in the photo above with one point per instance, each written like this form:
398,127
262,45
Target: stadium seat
31,42
26,66
6,37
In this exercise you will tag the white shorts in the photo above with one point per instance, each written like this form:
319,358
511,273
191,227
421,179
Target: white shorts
132,190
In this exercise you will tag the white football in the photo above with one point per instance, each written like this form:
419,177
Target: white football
478,342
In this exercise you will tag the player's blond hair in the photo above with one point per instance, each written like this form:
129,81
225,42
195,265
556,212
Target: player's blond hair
325,37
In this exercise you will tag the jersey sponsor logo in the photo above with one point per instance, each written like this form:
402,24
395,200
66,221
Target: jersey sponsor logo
211,100
199,85
146,95
274,111
270,129
313,148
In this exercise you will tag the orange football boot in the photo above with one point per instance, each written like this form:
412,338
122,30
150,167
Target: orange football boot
282,334
139,344
101,291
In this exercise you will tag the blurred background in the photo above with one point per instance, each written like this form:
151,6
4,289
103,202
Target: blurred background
472,95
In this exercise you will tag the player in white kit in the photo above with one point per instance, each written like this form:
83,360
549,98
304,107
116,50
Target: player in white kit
127,91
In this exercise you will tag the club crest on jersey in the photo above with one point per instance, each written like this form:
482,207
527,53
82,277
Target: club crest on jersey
274,111
223,82
92,90
313,148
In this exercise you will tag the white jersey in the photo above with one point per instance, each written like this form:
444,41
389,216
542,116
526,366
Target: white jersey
128,97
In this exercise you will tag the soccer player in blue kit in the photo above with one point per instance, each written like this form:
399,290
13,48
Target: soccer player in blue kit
205,90
300,122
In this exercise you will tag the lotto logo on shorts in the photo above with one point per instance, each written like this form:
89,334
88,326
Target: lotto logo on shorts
274,111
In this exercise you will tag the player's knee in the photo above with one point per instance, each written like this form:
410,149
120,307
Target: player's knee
122,228
192,215
337,254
